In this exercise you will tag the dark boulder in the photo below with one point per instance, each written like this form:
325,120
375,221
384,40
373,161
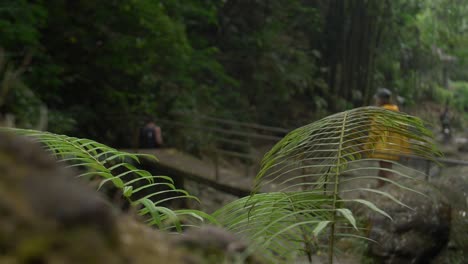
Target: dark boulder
415,235
454,184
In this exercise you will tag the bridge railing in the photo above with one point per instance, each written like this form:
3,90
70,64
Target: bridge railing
240,140
222,137
434,167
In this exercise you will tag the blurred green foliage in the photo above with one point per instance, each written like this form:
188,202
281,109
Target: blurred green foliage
100,66
460,99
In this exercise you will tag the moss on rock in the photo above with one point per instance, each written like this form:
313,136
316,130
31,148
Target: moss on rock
48,216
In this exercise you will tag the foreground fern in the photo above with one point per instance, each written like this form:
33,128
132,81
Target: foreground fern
305,205
110,166
307,211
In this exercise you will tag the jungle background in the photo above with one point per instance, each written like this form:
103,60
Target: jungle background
96,68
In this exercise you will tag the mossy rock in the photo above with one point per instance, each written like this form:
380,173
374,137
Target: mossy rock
48,216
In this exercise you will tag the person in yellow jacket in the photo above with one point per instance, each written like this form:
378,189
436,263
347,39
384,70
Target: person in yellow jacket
384,144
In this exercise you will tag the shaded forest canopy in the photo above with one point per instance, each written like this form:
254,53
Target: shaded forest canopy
99,66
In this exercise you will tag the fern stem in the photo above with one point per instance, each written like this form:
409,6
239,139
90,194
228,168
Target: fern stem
331,241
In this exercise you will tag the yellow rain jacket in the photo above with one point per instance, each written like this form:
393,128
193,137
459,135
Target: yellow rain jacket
384,144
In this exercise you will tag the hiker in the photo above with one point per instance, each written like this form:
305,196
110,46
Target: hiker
445,124
385,145
150,135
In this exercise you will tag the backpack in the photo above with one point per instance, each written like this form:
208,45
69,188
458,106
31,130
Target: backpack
147,137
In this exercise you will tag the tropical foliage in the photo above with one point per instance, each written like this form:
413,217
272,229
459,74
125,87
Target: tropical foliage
96,65
312,168
309,209
235,59
104,166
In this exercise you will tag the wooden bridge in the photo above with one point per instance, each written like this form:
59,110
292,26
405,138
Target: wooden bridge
174,162
242,140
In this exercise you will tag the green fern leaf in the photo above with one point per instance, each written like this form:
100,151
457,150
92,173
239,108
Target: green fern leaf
111,166
307,176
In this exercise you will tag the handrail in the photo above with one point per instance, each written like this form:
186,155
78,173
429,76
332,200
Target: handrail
199,179
218,126
254,135
244,124
440,160
232,141
222,130
452,161
233,153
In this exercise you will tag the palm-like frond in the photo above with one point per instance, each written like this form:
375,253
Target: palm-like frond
311,170
107,165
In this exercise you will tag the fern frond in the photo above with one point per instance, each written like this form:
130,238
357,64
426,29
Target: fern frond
111,166
313,169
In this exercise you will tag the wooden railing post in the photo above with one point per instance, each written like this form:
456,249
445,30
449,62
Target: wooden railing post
216,165
428,169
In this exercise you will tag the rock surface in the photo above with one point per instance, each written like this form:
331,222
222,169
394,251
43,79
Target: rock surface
415,235
454,184
47,216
